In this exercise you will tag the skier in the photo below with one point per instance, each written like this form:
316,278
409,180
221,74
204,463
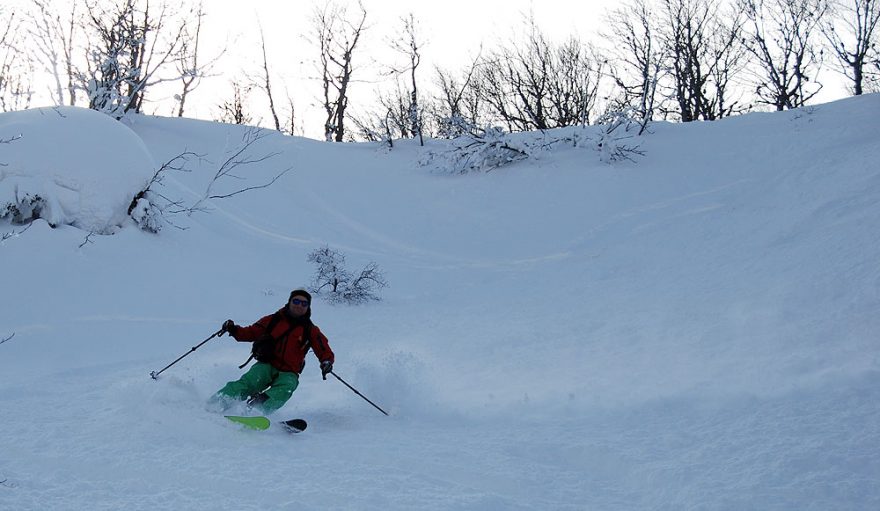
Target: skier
281,341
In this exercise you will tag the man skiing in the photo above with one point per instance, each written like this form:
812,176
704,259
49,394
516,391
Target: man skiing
281,341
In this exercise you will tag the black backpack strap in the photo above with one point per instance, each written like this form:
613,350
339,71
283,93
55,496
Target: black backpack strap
307,336
246,362
306,343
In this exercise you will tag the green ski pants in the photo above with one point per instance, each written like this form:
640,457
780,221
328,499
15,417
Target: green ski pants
256,380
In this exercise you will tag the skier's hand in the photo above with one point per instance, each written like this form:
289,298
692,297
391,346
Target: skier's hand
229,326
326,367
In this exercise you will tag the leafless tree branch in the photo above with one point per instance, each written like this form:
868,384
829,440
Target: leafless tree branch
87,240
10,139
852,30
151,214
189,68
270,183
238,158
234,112
12,234
337,37
16,65
267,84
782,40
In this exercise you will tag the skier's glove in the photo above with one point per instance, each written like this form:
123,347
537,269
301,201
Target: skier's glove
229,326
326,368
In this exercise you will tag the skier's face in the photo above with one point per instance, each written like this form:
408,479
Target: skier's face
298,305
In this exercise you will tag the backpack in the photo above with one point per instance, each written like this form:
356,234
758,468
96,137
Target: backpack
263,349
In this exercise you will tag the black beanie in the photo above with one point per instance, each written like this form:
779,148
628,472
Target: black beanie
300,292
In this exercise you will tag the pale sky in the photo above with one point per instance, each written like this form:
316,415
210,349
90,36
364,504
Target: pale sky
451,32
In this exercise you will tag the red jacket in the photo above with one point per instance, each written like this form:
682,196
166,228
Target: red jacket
290,349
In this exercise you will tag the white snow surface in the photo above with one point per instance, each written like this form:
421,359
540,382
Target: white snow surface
697,329
86,166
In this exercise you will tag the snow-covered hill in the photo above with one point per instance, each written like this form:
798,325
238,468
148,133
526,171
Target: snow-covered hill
697,329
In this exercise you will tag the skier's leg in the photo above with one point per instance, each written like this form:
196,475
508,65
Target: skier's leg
280,391
252,382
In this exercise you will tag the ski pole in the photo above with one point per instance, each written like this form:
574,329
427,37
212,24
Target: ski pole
154,375
358,393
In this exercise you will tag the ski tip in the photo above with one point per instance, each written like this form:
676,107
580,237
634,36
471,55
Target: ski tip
295,425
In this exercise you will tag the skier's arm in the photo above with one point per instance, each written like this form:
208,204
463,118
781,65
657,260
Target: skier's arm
321,346
252,333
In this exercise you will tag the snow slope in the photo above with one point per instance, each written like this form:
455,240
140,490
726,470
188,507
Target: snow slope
694,330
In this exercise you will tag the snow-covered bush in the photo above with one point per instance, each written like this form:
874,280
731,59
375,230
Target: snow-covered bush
617,129
146,214
22,210
455,126
364,287
338,285
492,148
134,49
483,151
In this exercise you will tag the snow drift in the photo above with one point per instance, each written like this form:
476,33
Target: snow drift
74,165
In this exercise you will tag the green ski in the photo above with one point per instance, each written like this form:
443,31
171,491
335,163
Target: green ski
250,422
262,423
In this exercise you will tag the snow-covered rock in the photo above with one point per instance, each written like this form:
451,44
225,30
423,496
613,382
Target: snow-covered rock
70,166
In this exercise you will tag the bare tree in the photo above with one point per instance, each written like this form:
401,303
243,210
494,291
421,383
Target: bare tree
330,273
190,68
514,82
458,106
337,36
782,39
702,54
234,111
729,59
390,117
393,118
291,118
365,286
409,46
15,65
685,25
127,48
53,38
266,83
637,64
574,89
400,112
852,32
133,45
536,85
